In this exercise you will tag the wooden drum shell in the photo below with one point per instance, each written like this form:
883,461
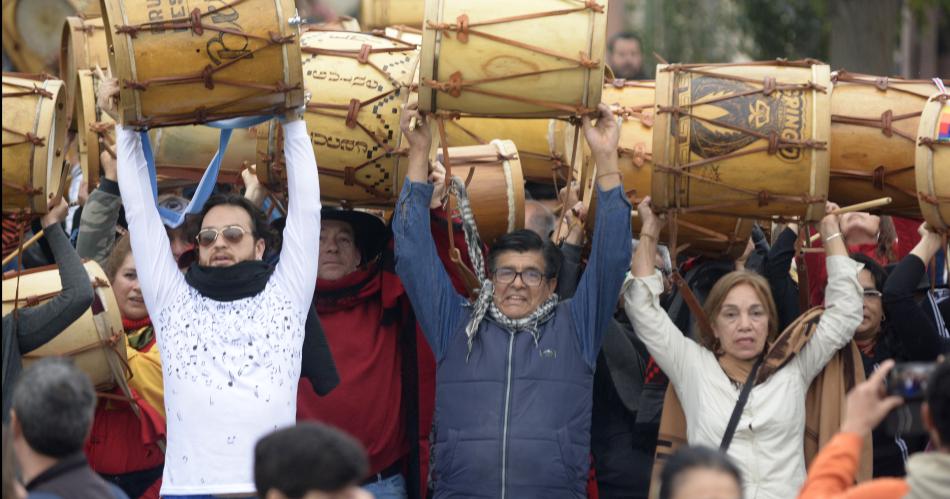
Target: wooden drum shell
184,152
932,168
83,46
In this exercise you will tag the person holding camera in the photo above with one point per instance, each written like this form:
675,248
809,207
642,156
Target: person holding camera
928,473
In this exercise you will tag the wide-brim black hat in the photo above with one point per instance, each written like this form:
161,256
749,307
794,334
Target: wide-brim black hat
371,233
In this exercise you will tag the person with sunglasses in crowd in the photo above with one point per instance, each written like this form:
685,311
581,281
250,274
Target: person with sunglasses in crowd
515,369
231,330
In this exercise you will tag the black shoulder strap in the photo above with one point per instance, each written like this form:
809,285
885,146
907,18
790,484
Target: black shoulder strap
740,404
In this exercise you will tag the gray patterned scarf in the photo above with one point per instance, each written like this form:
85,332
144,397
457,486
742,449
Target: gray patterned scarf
483,303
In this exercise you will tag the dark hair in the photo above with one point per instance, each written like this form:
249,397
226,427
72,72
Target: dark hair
938,399
523,241
9,477
121,249
308,457
54,402
260,227
689,458
878,273
623,35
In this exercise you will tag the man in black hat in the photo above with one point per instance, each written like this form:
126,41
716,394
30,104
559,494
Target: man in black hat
372,334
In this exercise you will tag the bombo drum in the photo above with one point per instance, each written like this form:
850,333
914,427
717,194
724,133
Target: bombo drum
747,140
933,162
359,84
34,136
96,342
219,60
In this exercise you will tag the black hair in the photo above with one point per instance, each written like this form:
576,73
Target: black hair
308,457
524,241
878,273
689,458
938,399
260,227
624,35
54,402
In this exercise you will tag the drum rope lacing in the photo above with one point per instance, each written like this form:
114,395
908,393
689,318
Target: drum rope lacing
28,137
455,84
206,76
353,108
775,142
932,144
557,165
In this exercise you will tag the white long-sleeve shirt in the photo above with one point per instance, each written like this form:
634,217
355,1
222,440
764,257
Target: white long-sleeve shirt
768,442
230,368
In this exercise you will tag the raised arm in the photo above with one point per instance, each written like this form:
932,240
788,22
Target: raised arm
776,268
38,325
843,301
641,301
595,299
297,268
438,307
157,271
916,332
100,215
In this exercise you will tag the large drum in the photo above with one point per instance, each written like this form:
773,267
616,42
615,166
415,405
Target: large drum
360,83
90,124
696,233
747,140
95,342
529,59
184,152
495,186
31,29
83,46
933,162
382,13
530,136
874,123
219,60
34,137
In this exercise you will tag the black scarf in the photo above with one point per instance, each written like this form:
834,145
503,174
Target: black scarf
249,278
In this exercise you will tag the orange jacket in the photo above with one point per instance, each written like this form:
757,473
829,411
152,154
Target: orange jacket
831,475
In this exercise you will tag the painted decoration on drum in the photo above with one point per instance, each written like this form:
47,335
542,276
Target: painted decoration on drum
746,140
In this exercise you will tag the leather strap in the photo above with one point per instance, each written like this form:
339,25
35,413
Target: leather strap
737,410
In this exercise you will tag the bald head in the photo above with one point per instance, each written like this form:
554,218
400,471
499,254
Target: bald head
538,219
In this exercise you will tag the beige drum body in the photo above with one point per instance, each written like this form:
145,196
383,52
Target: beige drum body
95,342
184,152
382,13
743,140
495,186
529,135
478,59
407,34
31,29
185,67
352,118
342,23
933,163
90,124
874,123
34,137
717,236
83,46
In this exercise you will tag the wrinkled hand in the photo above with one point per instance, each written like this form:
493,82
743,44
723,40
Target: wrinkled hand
439,191
603,137
831,223
569,195
56,213
107,96
652,224
420,136
867,404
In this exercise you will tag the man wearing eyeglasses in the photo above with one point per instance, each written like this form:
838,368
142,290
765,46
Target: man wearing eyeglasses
231,330
515,369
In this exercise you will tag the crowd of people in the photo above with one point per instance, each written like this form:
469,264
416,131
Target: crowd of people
330,354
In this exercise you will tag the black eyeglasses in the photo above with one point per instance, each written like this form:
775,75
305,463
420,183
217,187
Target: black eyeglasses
232,234
531,277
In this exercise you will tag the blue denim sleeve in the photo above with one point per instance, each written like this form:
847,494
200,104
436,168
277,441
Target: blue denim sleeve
438,307
597,293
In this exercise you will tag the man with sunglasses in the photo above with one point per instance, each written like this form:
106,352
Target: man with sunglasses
515,369
231,330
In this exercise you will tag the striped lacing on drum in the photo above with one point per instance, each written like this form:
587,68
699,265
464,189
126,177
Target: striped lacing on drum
28,137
